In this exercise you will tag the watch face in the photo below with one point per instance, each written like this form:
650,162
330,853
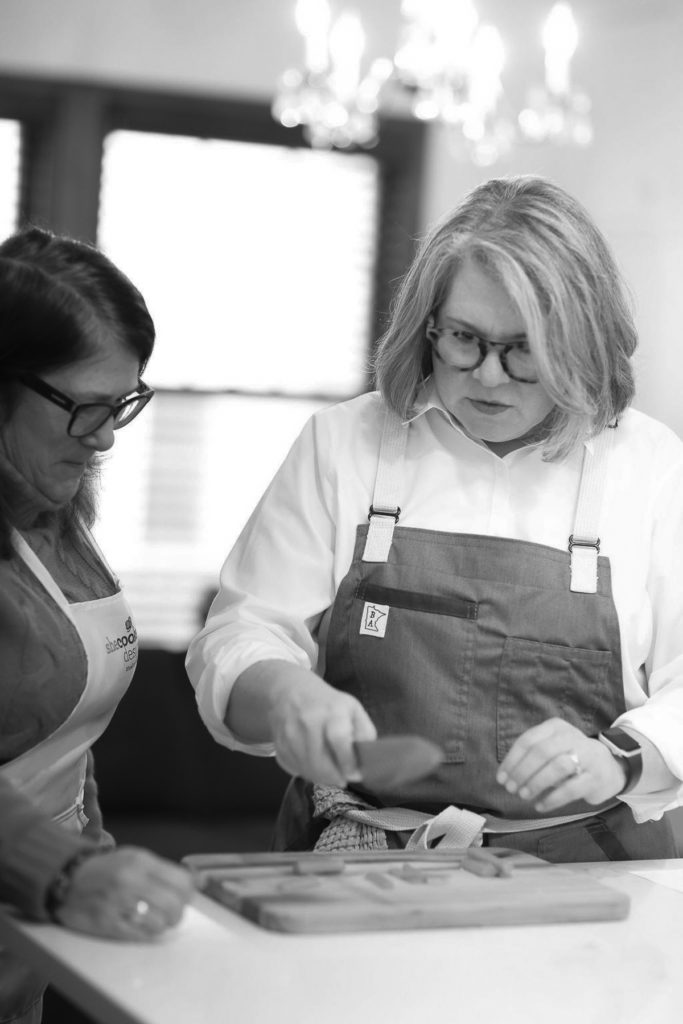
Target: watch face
626,744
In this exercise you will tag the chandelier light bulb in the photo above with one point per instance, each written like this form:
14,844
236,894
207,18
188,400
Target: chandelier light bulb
312,19
346,45
456,31
560,38
369,88
488,61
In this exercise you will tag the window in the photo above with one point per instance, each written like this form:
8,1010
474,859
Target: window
260,282
268,269
261,277
10,163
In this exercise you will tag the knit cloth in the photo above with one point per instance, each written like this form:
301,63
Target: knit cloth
346,830
356,825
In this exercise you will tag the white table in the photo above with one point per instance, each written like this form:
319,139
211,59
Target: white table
217,967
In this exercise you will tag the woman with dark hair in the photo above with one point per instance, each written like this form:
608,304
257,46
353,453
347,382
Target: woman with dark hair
75,336
487,552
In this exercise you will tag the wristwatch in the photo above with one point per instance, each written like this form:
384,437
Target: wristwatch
628,750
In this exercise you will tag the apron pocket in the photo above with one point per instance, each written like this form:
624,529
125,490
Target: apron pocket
456,606
539,681
412,655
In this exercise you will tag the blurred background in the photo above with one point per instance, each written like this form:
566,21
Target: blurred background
268,264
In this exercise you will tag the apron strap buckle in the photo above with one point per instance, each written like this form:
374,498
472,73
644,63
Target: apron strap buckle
584,564
382,519
583,543
392,513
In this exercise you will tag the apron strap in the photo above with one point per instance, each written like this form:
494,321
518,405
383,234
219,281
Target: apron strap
355,824
584,543
28,555
385,511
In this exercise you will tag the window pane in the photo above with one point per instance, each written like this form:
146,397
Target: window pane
256,260
10,171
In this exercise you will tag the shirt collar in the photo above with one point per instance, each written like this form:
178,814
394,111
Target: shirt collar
427,398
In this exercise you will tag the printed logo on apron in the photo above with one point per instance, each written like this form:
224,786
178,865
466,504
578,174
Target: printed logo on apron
126,642
374,619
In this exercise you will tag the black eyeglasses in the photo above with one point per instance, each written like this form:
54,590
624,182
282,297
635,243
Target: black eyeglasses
87,417
462,350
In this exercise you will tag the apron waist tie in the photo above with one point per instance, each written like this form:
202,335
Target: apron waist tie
356,825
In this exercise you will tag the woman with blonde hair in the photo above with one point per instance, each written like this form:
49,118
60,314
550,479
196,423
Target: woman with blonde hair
484,552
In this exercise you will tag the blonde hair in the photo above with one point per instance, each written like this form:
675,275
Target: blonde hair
555,264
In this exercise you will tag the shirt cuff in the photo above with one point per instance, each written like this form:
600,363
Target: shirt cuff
657,790
215,685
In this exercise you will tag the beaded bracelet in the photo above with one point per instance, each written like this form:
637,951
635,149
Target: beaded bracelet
58,889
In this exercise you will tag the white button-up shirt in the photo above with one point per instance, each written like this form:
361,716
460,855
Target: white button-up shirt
283,573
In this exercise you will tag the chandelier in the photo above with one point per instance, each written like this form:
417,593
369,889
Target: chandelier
447,69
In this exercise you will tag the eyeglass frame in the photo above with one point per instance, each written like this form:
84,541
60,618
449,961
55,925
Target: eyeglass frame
57,397
484,345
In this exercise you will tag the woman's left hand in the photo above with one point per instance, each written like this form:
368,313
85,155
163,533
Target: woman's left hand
554,764
126,893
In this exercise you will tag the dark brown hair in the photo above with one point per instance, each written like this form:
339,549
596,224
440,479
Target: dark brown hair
58,298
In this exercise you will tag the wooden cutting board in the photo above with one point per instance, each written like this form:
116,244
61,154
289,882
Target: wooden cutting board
292,892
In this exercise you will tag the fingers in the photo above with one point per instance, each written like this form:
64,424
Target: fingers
341,735
339,739
144,919
317,741
304,749
558,781
128,894
160,910
554,764
320,751
170,878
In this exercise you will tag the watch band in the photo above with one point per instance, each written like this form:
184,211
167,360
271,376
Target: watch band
629,752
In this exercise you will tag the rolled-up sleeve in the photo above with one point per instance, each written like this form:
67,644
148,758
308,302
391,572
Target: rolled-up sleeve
275,586
660,716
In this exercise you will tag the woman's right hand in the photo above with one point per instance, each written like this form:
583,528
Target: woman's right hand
314,728
126,893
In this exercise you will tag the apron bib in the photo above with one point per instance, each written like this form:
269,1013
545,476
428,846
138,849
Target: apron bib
52,773
469,641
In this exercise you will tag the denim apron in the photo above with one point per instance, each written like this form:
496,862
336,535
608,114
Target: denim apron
469,641
52,774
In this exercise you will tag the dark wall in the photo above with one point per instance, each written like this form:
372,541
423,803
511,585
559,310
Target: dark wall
166,784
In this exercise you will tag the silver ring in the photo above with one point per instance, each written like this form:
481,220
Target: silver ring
576,764
139,912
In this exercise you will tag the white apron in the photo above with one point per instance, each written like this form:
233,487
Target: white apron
52,774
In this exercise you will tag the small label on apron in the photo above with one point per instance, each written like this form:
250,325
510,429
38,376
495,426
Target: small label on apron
374,619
